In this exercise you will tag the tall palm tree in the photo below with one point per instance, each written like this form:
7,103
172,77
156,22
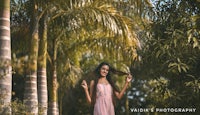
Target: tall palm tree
53,85
42,73
53,108
30,93
5,58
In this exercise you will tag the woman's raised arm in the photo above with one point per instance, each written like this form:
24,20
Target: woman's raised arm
120,94
85,87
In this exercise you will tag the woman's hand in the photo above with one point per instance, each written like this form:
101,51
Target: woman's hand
84,85
129,78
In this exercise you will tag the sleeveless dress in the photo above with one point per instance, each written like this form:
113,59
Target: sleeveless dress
104,104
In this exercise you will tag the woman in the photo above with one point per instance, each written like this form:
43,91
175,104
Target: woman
103,90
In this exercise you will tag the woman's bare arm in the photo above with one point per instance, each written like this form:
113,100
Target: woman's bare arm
120,94
87,93
85,87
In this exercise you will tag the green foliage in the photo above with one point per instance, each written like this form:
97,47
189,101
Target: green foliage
18,108
194,85
177,67
159,92
4,67
19,64
171,50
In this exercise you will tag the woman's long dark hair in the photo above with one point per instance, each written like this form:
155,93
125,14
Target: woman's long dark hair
108,77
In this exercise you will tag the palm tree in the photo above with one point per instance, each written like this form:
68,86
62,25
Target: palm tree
42,73
53,85
30,93
5,58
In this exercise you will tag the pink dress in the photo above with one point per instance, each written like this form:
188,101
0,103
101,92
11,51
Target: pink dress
104,104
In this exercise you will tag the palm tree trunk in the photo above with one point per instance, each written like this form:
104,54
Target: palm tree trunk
42,74
30,92
53,104
5,58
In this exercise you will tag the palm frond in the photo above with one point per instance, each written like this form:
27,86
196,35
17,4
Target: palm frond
92,17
